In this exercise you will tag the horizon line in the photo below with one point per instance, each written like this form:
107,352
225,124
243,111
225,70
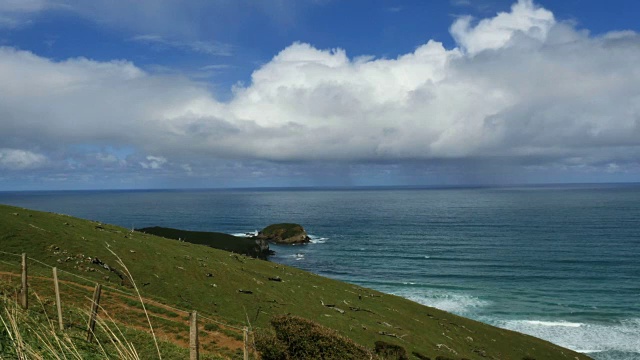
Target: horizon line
343,187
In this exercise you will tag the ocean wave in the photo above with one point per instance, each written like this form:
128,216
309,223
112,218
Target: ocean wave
313,239
297,256
620,337
447,301
317,239
392,256
554,323
246,234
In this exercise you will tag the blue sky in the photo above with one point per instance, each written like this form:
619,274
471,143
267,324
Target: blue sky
147,94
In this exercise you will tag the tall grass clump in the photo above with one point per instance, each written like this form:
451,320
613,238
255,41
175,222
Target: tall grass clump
153,334
31,334
26,335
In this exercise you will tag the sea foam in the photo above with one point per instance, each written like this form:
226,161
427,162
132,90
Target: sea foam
455,303
317,239
246,234
554,323
622,337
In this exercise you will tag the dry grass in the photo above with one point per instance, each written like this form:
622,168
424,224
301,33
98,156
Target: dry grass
121,263
32,337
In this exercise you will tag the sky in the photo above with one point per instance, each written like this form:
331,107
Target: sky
111,94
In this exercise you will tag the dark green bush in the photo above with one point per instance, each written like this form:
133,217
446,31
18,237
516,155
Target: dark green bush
390,351
269,347
301,339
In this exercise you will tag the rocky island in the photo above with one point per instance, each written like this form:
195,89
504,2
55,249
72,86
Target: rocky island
255,246
284,233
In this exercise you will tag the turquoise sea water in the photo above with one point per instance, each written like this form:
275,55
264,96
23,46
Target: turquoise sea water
561,263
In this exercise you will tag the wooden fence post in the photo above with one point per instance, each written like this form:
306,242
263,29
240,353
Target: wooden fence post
194,353
24,292
245,337
94,312
58,303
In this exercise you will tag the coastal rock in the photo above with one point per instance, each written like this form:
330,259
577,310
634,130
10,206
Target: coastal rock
285,233
261,249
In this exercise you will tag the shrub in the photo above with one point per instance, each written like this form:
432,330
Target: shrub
298,338
269,347
390,351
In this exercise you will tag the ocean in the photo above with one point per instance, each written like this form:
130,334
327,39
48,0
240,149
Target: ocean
557,262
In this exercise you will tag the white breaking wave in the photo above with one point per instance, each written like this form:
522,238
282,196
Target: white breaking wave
317,239
582,337
554,323
246,234
454,303
313,239
589,338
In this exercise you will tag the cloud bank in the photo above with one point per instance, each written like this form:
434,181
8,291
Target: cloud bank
521,88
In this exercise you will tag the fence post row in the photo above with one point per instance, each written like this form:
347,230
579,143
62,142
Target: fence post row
194,353
94,312
193,331
58,303
245,337
24,291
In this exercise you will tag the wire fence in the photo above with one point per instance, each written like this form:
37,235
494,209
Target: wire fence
129,294
79,289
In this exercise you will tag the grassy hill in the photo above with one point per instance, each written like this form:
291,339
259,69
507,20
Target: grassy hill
173,274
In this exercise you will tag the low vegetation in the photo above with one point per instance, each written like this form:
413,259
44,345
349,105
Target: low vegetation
298,338
33,334
230,291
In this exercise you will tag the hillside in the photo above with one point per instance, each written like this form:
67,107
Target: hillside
189,276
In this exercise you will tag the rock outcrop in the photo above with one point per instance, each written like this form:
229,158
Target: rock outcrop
261,249
285,233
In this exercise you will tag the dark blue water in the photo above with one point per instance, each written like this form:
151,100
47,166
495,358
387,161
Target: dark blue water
560,263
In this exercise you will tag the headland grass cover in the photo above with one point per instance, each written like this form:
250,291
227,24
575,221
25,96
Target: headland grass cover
240,245
231,291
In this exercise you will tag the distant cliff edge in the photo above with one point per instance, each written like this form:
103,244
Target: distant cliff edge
254,246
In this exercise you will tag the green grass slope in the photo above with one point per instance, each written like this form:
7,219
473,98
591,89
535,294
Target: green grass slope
190,276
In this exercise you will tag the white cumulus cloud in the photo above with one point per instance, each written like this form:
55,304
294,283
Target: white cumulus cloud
16,159
153,162
526,20
521,88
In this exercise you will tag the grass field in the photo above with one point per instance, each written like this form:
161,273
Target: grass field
231,289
